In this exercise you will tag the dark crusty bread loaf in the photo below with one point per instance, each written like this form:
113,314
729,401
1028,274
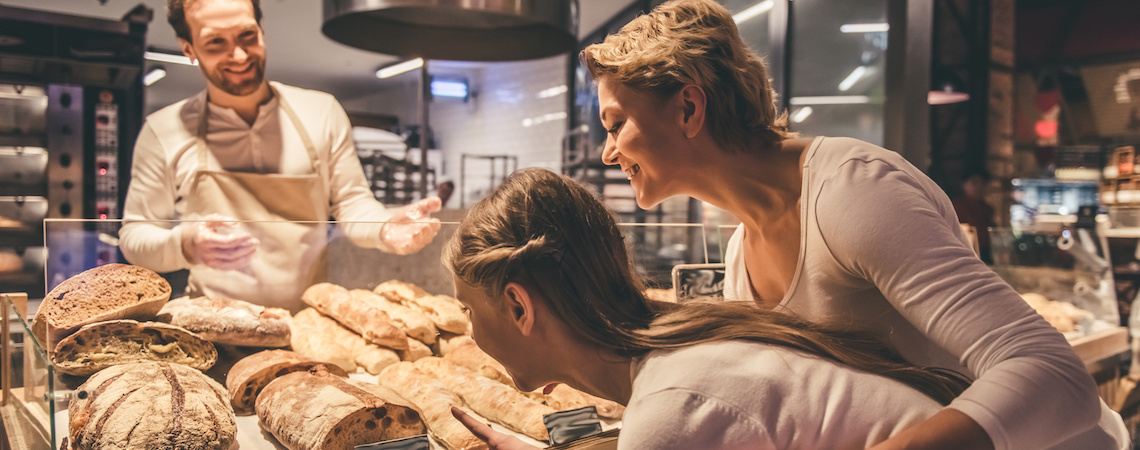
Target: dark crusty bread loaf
227,321
101,345
250,375
319,410
151,405
107,292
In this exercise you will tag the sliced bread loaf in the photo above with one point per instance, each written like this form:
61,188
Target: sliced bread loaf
249,376
101,345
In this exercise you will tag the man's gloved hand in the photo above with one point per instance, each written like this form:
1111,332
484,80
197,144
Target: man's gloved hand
218,242
412,227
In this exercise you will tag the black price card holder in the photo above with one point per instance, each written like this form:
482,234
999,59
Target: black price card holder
698,282
420,442
571,425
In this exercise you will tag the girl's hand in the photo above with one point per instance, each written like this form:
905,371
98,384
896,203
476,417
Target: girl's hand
494,439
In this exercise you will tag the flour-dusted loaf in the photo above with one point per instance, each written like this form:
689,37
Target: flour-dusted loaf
318,336
364,318
101,345
493,400
415,351
227,321
412,321
467,354
107,292
564,398
317,410
434,401
251,374
445,312
148,406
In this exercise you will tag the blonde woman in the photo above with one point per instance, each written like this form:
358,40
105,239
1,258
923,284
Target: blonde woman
544,273
837,229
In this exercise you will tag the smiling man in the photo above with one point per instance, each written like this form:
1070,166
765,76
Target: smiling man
250,167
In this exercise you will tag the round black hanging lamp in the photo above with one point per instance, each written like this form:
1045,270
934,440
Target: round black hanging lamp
458,30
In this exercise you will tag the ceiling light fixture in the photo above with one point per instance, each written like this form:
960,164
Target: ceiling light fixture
830,100
864,27
753,11
398,68
801,114
852,78
168,58
154,75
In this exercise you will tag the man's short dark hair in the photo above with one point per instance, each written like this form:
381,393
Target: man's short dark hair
176,15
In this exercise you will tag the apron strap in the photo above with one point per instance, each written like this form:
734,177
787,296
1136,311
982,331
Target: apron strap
311,149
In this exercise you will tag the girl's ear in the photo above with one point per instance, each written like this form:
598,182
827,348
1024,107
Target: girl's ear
693,103
518,305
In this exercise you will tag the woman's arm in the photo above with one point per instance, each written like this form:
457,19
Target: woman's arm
949,429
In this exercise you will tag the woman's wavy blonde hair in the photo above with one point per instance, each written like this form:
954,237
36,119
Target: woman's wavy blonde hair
551,234
684,42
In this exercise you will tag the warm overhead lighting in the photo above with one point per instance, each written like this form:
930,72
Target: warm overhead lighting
852,78
752,11
399,68
169,58
831,100
154,75
801,114
864,27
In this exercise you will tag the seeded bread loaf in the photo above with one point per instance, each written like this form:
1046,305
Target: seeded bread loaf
150,405
107,292
227,321
251,374
364,318
101,345
317,410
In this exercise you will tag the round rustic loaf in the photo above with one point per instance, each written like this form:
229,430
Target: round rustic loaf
101,345
151,405
107,292
318,410
228,321
249,376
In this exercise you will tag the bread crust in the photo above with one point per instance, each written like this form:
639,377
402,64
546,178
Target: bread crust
227,321
444,311
318,336
364,318
493,400
107,292
151,405
316,409
251,374
105,344
434,401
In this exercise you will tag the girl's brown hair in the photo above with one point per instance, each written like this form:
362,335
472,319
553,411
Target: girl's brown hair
684,42
551,234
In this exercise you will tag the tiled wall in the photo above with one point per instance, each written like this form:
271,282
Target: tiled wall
505,116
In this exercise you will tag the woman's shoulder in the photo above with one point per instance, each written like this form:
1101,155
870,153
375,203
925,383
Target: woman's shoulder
722,363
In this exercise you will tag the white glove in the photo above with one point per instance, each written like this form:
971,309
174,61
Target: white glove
218,242
412,227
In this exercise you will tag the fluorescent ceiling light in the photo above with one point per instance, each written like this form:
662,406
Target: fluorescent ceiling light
453,89
153,76
753,11
831,100
864,27
801,114
852,78
399,68
168,58
550,92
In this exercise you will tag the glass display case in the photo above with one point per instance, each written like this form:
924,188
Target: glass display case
70,244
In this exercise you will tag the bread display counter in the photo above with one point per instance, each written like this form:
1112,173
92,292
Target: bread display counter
373,348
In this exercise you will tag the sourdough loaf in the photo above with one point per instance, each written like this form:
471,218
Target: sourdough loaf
151,405
107,292
435,402
251,374
101,345
227,321
366,319
317,410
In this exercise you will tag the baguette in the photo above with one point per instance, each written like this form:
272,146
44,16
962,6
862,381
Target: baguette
101,345
317,410
364,318
107,292
150,405
309,339
412,321
493,400
469,355
250,375
328,335
416,350
445,312
227,321
434,402
563,398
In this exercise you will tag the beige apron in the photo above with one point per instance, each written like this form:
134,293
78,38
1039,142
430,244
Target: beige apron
288,259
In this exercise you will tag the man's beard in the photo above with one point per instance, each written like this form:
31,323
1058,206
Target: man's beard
218,78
